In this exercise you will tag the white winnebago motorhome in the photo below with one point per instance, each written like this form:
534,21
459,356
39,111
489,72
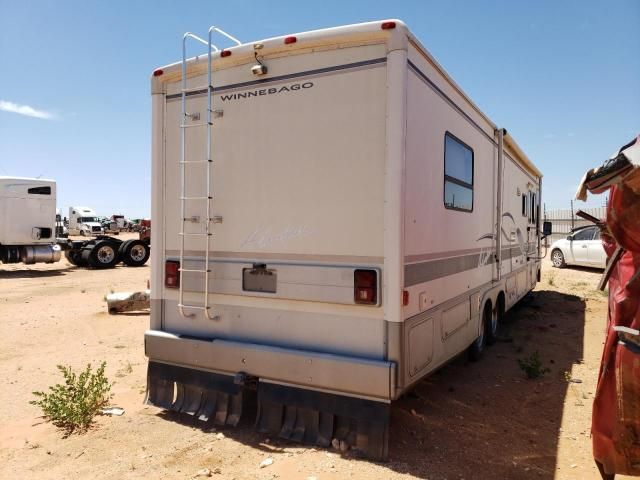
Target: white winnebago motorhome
27,220
333,220
84,221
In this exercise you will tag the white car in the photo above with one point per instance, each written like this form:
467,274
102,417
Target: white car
582,247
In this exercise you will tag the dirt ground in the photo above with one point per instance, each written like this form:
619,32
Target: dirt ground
481,420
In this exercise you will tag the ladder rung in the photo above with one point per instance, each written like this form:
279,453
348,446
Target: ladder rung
195,89
196,198
191,125
213,219
195,307
196,161
194,271
195,234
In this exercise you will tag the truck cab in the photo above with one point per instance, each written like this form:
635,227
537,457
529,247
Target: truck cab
27,220
83,221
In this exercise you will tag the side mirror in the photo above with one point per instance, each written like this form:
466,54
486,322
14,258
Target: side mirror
570,238
546,229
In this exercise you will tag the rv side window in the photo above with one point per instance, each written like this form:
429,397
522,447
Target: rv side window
458,174
534,208
40,191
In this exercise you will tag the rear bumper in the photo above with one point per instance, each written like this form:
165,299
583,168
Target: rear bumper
351,376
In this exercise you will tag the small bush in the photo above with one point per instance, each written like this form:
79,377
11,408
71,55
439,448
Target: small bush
73,405
551,280
532,366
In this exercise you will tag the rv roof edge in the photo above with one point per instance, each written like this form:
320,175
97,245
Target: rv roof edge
245,53
511,143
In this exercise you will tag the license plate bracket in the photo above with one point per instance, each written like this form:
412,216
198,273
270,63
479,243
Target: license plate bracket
259,279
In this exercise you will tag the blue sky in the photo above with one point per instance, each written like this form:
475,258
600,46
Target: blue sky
561,76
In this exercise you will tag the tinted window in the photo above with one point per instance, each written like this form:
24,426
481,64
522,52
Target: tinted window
586,234
40,191
458,174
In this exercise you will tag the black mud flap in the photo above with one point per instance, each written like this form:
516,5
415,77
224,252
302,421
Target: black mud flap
319,418
205,396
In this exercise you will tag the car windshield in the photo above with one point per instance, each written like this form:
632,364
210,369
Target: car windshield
87,219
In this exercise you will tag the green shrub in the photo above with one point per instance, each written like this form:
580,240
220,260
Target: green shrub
73,404
532,366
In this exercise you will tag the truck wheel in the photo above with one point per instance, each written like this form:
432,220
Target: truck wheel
104,254
72,256
135,253
123,246
476,349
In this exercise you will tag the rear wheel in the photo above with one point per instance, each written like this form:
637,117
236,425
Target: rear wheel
135,253
492,324
103,255
477,347
73,257
500,308
123,246
557,258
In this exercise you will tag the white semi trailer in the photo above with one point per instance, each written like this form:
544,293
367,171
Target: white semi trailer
334,219
28,220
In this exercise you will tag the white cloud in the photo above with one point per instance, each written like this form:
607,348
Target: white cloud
25,110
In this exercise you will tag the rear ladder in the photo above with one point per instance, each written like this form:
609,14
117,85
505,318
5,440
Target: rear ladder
184,195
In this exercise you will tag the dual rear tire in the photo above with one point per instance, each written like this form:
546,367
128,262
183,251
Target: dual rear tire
74,257
479,345
490,320
107,254
134,253
104,254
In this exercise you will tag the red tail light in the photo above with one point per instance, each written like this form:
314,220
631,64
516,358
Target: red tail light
225,53
289,40
172,274
365,287
388,25
405,298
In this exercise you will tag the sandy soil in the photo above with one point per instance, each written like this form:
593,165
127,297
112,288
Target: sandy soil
481,420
